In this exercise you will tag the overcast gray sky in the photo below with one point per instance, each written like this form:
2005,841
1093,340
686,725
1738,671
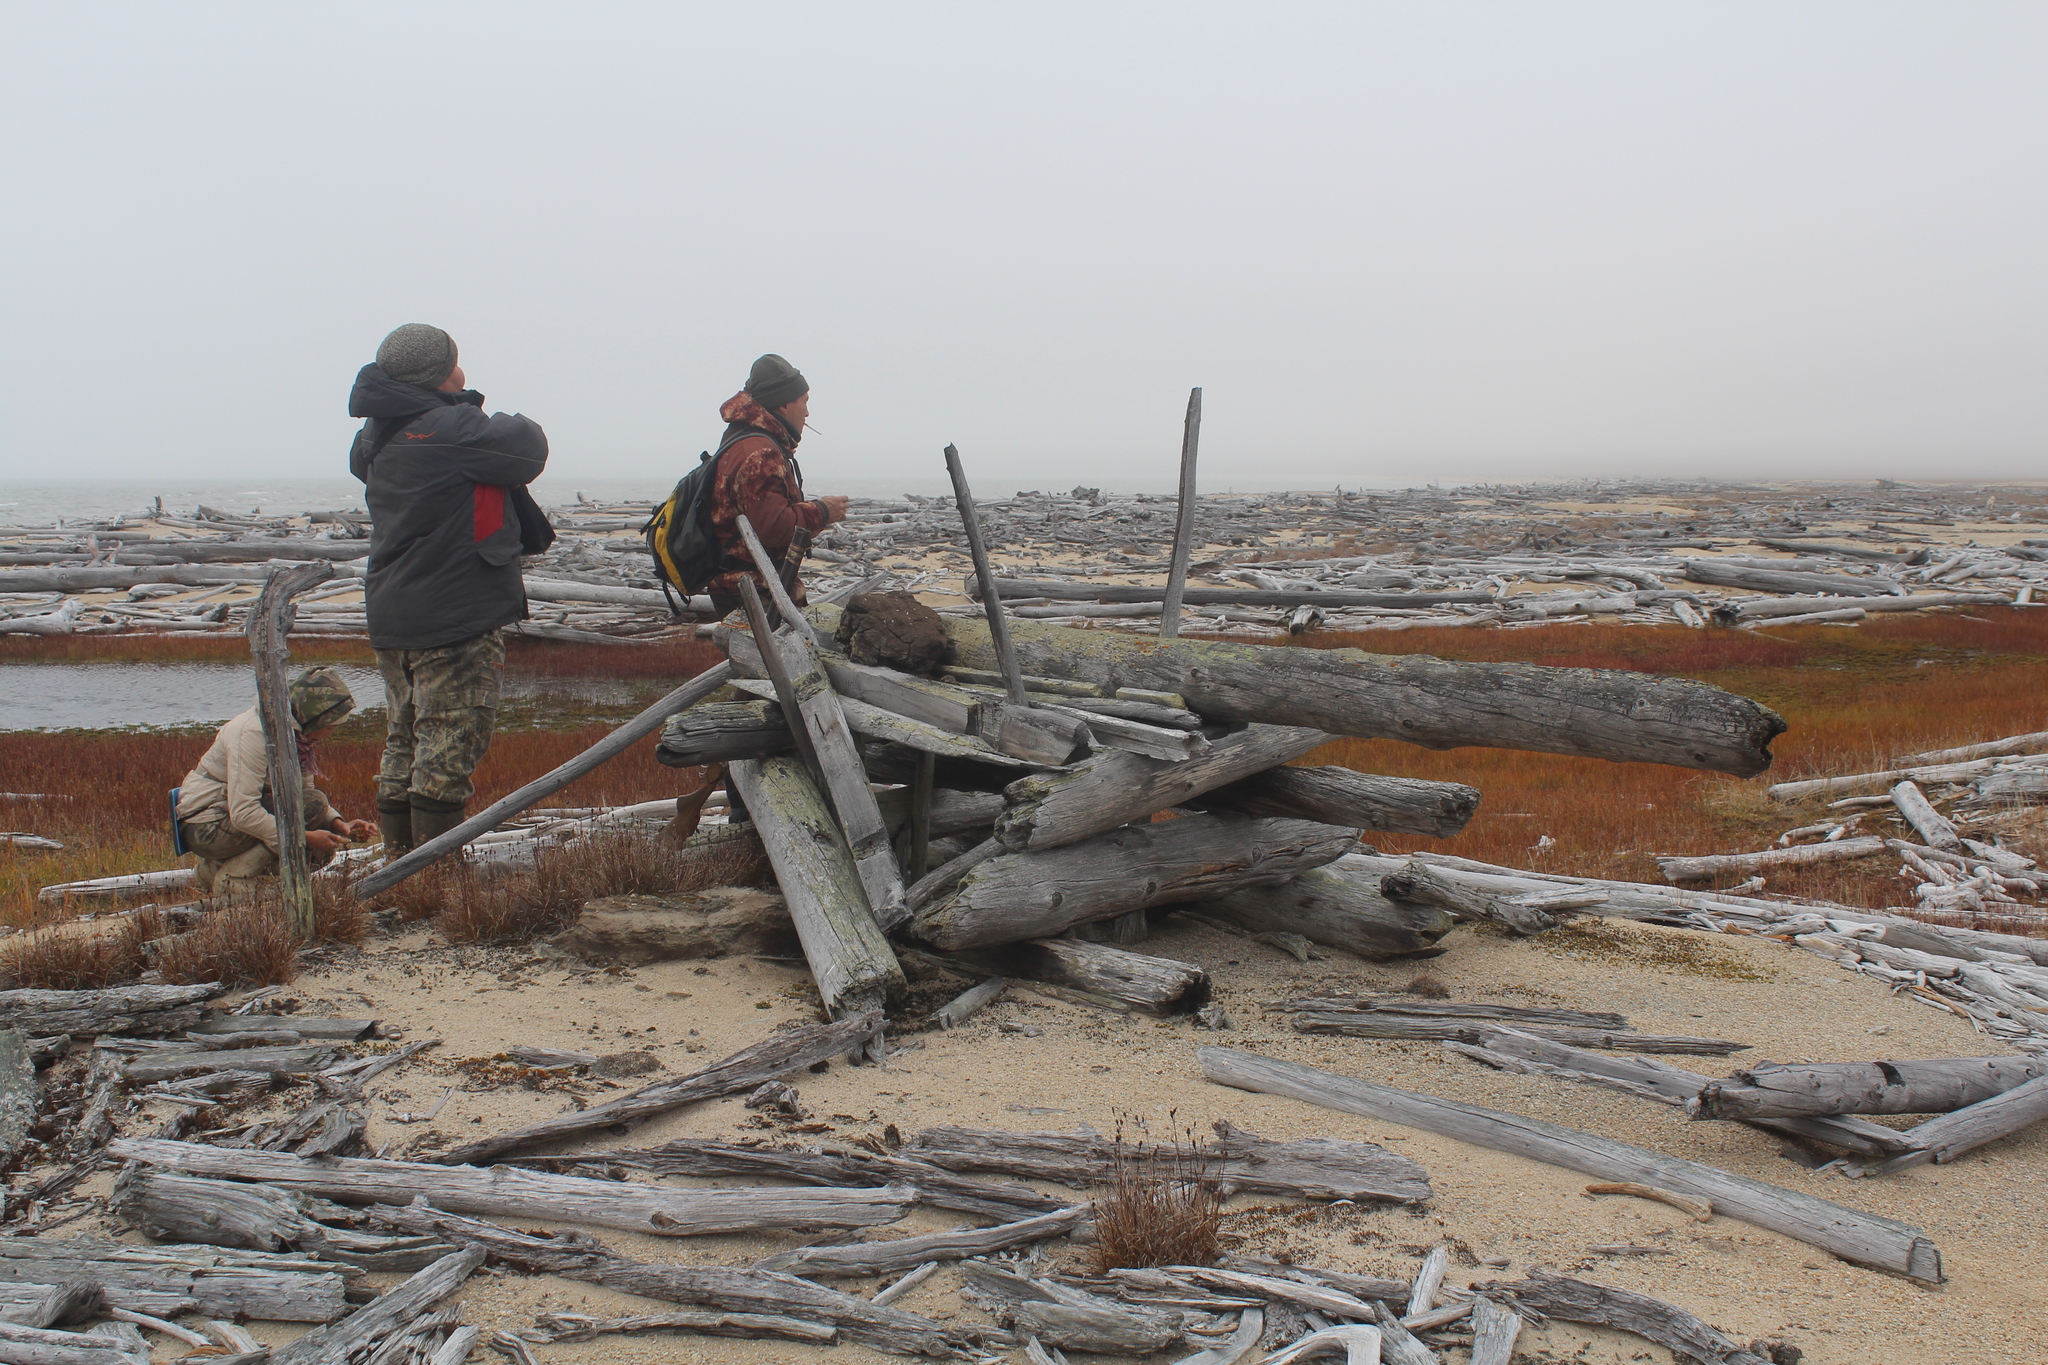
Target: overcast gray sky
1448,240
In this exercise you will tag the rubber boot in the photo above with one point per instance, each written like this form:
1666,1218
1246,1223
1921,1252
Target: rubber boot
395,823
433,818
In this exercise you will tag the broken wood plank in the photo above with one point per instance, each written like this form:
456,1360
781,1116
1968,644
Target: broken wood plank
772,1058
1341,796
881,1258
1857,1237
1820,1089
1623,1310
1035,894
850,958
509,1192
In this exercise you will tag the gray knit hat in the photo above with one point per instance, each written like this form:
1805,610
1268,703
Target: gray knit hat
774,381
418,354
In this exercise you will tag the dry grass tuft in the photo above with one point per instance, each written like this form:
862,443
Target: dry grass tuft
1160,1209
247,943
81,957
1428,987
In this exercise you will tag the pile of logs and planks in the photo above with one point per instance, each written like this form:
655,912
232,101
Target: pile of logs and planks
1648,552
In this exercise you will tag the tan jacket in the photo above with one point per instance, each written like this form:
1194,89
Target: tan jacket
230,781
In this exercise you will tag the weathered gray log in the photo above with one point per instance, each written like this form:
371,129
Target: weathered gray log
168,1280
1948,1137
721,731
102,1087
1437,703
1183,522
1494,1332
952,812
1420,883
583,1258
271,1060
770,1059
1654,1320
118,1009
875,723
850,959
55,1305
546,785
1314,1297
1308,1168
1454,1009
1060,590
1813,1089
1858,1237
968,1003
1857,783
1072,1318
1375,1025
182,1208
1706,867
559,1327
394,1309
1035,894
513,1193
1099,974
1755,608
1777,580
880,1258
1515,1049
1132,736
1340,796
2033,743
1338,906
1111,789
20,1096
270,623
1934,828
39,1346
305,1025
935,1185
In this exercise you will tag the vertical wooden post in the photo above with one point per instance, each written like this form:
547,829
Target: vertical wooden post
991,600
1184,525
921,816
777,669
270,621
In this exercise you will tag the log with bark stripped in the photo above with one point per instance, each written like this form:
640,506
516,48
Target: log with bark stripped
1811,1089
1340,796
1100,974
118,1009
1338,906
1667,1325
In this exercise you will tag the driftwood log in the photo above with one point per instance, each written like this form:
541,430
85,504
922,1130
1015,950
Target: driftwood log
882,1258
850,959
1706,867
1059,591
1031,895
721,731
770,1059
1667,1325
1381,1025
1338,906
183,1208
1101,974
1455,1009
1948,1137
1420,883
508,1192
1307,1168
1066,1317
1857,1237
1630,717
20,1096
1813,1089
1340,796
392,1311
269,624
164,1281
118,1009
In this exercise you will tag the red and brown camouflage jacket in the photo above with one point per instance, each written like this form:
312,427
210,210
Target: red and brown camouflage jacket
756,479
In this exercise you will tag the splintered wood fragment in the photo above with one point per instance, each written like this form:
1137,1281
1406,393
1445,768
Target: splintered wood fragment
391,1311
1699,1210
1951,1135
1071,1318
1100,974
720,1288
1307,1168
306,1026
1429,1278
1419,881
658,1209
1854,1236
1110,789
1316,1298
881,1258
1340,796
851,960
1819,1089
772,1058
1338,906
40,1346
968,1003
1379,1025
1034,894
168,1280
1664,1324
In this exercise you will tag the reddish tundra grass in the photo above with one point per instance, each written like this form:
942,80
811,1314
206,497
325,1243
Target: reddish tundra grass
1853,697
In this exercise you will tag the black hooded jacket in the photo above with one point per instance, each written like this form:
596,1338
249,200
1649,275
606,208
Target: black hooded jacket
443,494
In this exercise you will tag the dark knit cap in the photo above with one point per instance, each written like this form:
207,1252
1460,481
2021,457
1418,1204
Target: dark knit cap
418,354
774,381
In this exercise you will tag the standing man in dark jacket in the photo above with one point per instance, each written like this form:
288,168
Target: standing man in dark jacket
446,488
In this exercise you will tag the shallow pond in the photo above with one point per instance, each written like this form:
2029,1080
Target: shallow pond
64,696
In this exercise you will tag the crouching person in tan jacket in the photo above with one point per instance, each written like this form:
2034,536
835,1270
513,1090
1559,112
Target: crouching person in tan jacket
224,806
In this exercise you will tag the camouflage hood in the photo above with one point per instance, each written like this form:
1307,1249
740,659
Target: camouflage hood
320,696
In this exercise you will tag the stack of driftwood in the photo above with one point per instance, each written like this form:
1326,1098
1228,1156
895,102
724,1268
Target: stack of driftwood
1649,552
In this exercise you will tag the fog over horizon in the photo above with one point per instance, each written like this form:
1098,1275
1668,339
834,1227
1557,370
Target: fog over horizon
1396,243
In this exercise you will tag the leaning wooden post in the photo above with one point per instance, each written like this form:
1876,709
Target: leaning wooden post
1184,526
771,576
541,788
269,623
777,669
991,600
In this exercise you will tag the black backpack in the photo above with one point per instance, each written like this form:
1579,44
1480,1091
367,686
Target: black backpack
678,535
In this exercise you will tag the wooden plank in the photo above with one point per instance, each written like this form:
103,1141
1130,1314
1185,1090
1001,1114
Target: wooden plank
1858,1237
1183,521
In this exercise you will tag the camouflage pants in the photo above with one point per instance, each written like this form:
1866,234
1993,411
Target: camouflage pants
441,706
